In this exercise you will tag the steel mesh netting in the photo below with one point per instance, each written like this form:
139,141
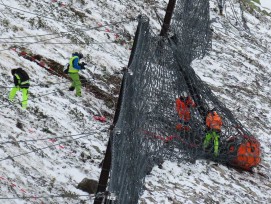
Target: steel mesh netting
191,29
233,135
145,132
147,114
192,39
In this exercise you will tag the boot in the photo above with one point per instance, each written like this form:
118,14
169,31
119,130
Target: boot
71,88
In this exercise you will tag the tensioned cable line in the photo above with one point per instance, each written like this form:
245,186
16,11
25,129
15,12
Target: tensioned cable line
62,36
49,17
234,39
40,85
97,27
11,104
238,21
34,42
64,32
44,16
46,43
29,43
242,27
49,196
48,138
42,148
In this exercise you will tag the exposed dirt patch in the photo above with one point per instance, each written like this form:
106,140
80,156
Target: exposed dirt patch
56,68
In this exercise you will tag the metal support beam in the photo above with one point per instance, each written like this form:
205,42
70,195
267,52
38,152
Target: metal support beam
107,159
104,174
168,16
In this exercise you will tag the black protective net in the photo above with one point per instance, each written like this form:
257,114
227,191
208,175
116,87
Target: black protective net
149,128
191,29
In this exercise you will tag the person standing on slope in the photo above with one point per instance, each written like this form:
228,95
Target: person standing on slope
21,81
213,124
74,68
183,105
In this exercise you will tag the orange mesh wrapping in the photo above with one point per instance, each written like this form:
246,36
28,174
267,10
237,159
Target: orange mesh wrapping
248,155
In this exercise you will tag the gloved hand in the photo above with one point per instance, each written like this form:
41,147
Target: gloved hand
83,65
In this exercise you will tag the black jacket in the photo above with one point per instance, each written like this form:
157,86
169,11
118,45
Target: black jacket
20,78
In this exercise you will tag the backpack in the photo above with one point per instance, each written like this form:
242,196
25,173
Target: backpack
24,78
23,75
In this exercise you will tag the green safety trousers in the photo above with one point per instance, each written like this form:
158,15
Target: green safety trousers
13,92
76,83
212,135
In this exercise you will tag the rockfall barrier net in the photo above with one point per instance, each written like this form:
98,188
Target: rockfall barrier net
149,129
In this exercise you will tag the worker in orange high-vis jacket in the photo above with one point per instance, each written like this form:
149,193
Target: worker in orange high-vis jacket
213,124
183,105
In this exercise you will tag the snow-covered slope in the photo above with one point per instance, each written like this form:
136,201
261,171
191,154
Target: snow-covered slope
66,144
266,4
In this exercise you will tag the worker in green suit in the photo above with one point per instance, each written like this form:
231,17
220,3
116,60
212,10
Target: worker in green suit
74,68
21,81
213,124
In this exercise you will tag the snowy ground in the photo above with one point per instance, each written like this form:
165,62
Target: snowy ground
57,140
266,4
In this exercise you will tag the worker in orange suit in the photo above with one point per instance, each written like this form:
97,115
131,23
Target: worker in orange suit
213,124
183,105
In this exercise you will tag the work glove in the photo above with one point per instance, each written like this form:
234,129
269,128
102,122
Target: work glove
83,65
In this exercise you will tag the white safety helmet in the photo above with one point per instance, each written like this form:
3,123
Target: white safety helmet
184,94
